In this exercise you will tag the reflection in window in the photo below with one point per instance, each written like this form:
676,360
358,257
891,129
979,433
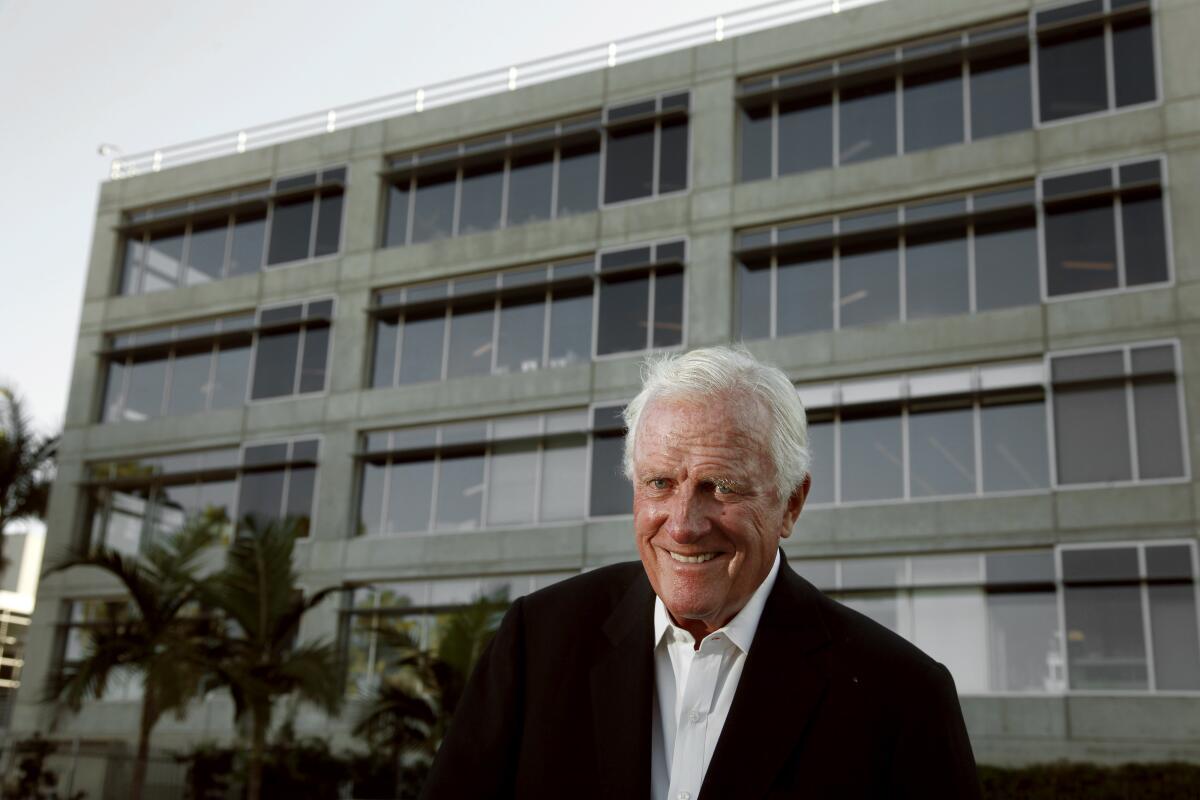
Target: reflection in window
867,121
872,455
290,356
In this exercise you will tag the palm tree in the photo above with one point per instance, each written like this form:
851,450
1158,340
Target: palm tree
157,638
26,465
256,657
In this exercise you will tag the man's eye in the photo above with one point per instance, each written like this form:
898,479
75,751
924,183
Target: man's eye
722,488
658,483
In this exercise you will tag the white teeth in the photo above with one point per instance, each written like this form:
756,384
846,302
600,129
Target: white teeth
700,559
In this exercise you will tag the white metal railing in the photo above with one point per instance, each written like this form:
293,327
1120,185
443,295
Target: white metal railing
410,101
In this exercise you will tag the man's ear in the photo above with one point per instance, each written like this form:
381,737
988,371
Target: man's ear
795,504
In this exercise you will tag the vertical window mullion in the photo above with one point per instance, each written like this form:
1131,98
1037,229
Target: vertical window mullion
905,465
1110,69
488,455
538,469
554,177
283,496
899,90
446,343
227,258
837,285
547,310
977,432
458,194
837,457
211,383
902,261
495,333
270,225
836,109
299,359
1147,621
411,201
972,279
650,310
185,255
317,201
505,182
595,312
126,377
775,144
773,310
1119,239
1060,591
1131,418
657,159
396,356
968,134
437,486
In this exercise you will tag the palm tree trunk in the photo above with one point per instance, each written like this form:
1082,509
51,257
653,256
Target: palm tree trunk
258,746
142,762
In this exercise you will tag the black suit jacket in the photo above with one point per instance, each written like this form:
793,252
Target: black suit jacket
830,704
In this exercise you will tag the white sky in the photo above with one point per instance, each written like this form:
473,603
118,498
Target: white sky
144,74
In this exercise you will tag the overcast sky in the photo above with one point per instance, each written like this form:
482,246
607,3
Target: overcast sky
143,74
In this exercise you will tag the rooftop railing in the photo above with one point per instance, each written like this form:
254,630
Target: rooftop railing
413,101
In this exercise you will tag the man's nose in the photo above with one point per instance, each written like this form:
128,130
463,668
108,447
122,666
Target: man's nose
686,517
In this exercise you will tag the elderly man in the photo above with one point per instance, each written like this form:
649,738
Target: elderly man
710,669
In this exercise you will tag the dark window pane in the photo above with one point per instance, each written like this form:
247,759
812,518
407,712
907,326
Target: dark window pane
261,494
189,381
1090,434
163,257
530,182
229,380
629,170
564,478
1108,364
383,362
370,499
755,142
114,389
872,463
1156,420
1103,564
144,396
1133,61
1176,645
513,477
1013,446
1006,264
433,209
1081,248
1145,238
1009,569
522,330
1023,636
805,133
936,274
1000,95
870,284
571,327
410,496
1169,562
421,347
206,251
624,312
942,452
867,114
823,469
246,253
131,265
291,227
611,491
1106,646
482,192
578,179
329,223
316,353
460,492
805,287
301,485
673,156
754,298
470,341
668,308
1071,73
275,365
395,231
933,108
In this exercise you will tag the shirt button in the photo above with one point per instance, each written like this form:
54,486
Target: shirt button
683,795
693,716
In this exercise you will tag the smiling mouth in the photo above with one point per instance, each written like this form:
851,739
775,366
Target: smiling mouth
697,559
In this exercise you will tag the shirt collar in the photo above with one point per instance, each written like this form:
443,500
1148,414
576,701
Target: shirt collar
741,628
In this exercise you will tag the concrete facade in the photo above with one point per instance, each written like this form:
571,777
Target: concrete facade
1005,729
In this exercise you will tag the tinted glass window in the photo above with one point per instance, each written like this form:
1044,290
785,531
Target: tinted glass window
163,257
275,364
1013,442
1023,634
1081,248
1000,95
1106,645
189,381
530,182
131,266
870,284
1176,644
1144,238
113,390
933,108
823,468
942,452
936,273
571,327
291,225
470,341
756,142
867,116
872,458
611,491
410,496
511,487
564,478
805,133
316,353
433,211
370,504
668,308
262,494
246,252
805,287
754,298
578,179
624,314
396,230
229,379
1089,427
421,347
146,382
460,492
629,171
302,482
482,191
522,327
206,251
1133,61
673,156
1006,264
1071,73
1156,421
329,223
383,361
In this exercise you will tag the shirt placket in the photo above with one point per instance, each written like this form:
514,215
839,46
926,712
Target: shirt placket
699,696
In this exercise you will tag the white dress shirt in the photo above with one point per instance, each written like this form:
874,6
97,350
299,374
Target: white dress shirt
695,689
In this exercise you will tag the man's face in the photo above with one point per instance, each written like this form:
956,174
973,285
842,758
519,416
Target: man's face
706,513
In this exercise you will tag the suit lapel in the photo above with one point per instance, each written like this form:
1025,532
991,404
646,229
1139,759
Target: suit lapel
622,683
783,684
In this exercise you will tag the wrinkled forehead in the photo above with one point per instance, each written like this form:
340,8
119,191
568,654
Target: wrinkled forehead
728,419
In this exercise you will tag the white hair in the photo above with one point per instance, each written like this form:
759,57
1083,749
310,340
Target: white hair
701,374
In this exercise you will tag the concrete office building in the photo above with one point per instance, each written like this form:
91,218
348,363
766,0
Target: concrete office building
964,228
